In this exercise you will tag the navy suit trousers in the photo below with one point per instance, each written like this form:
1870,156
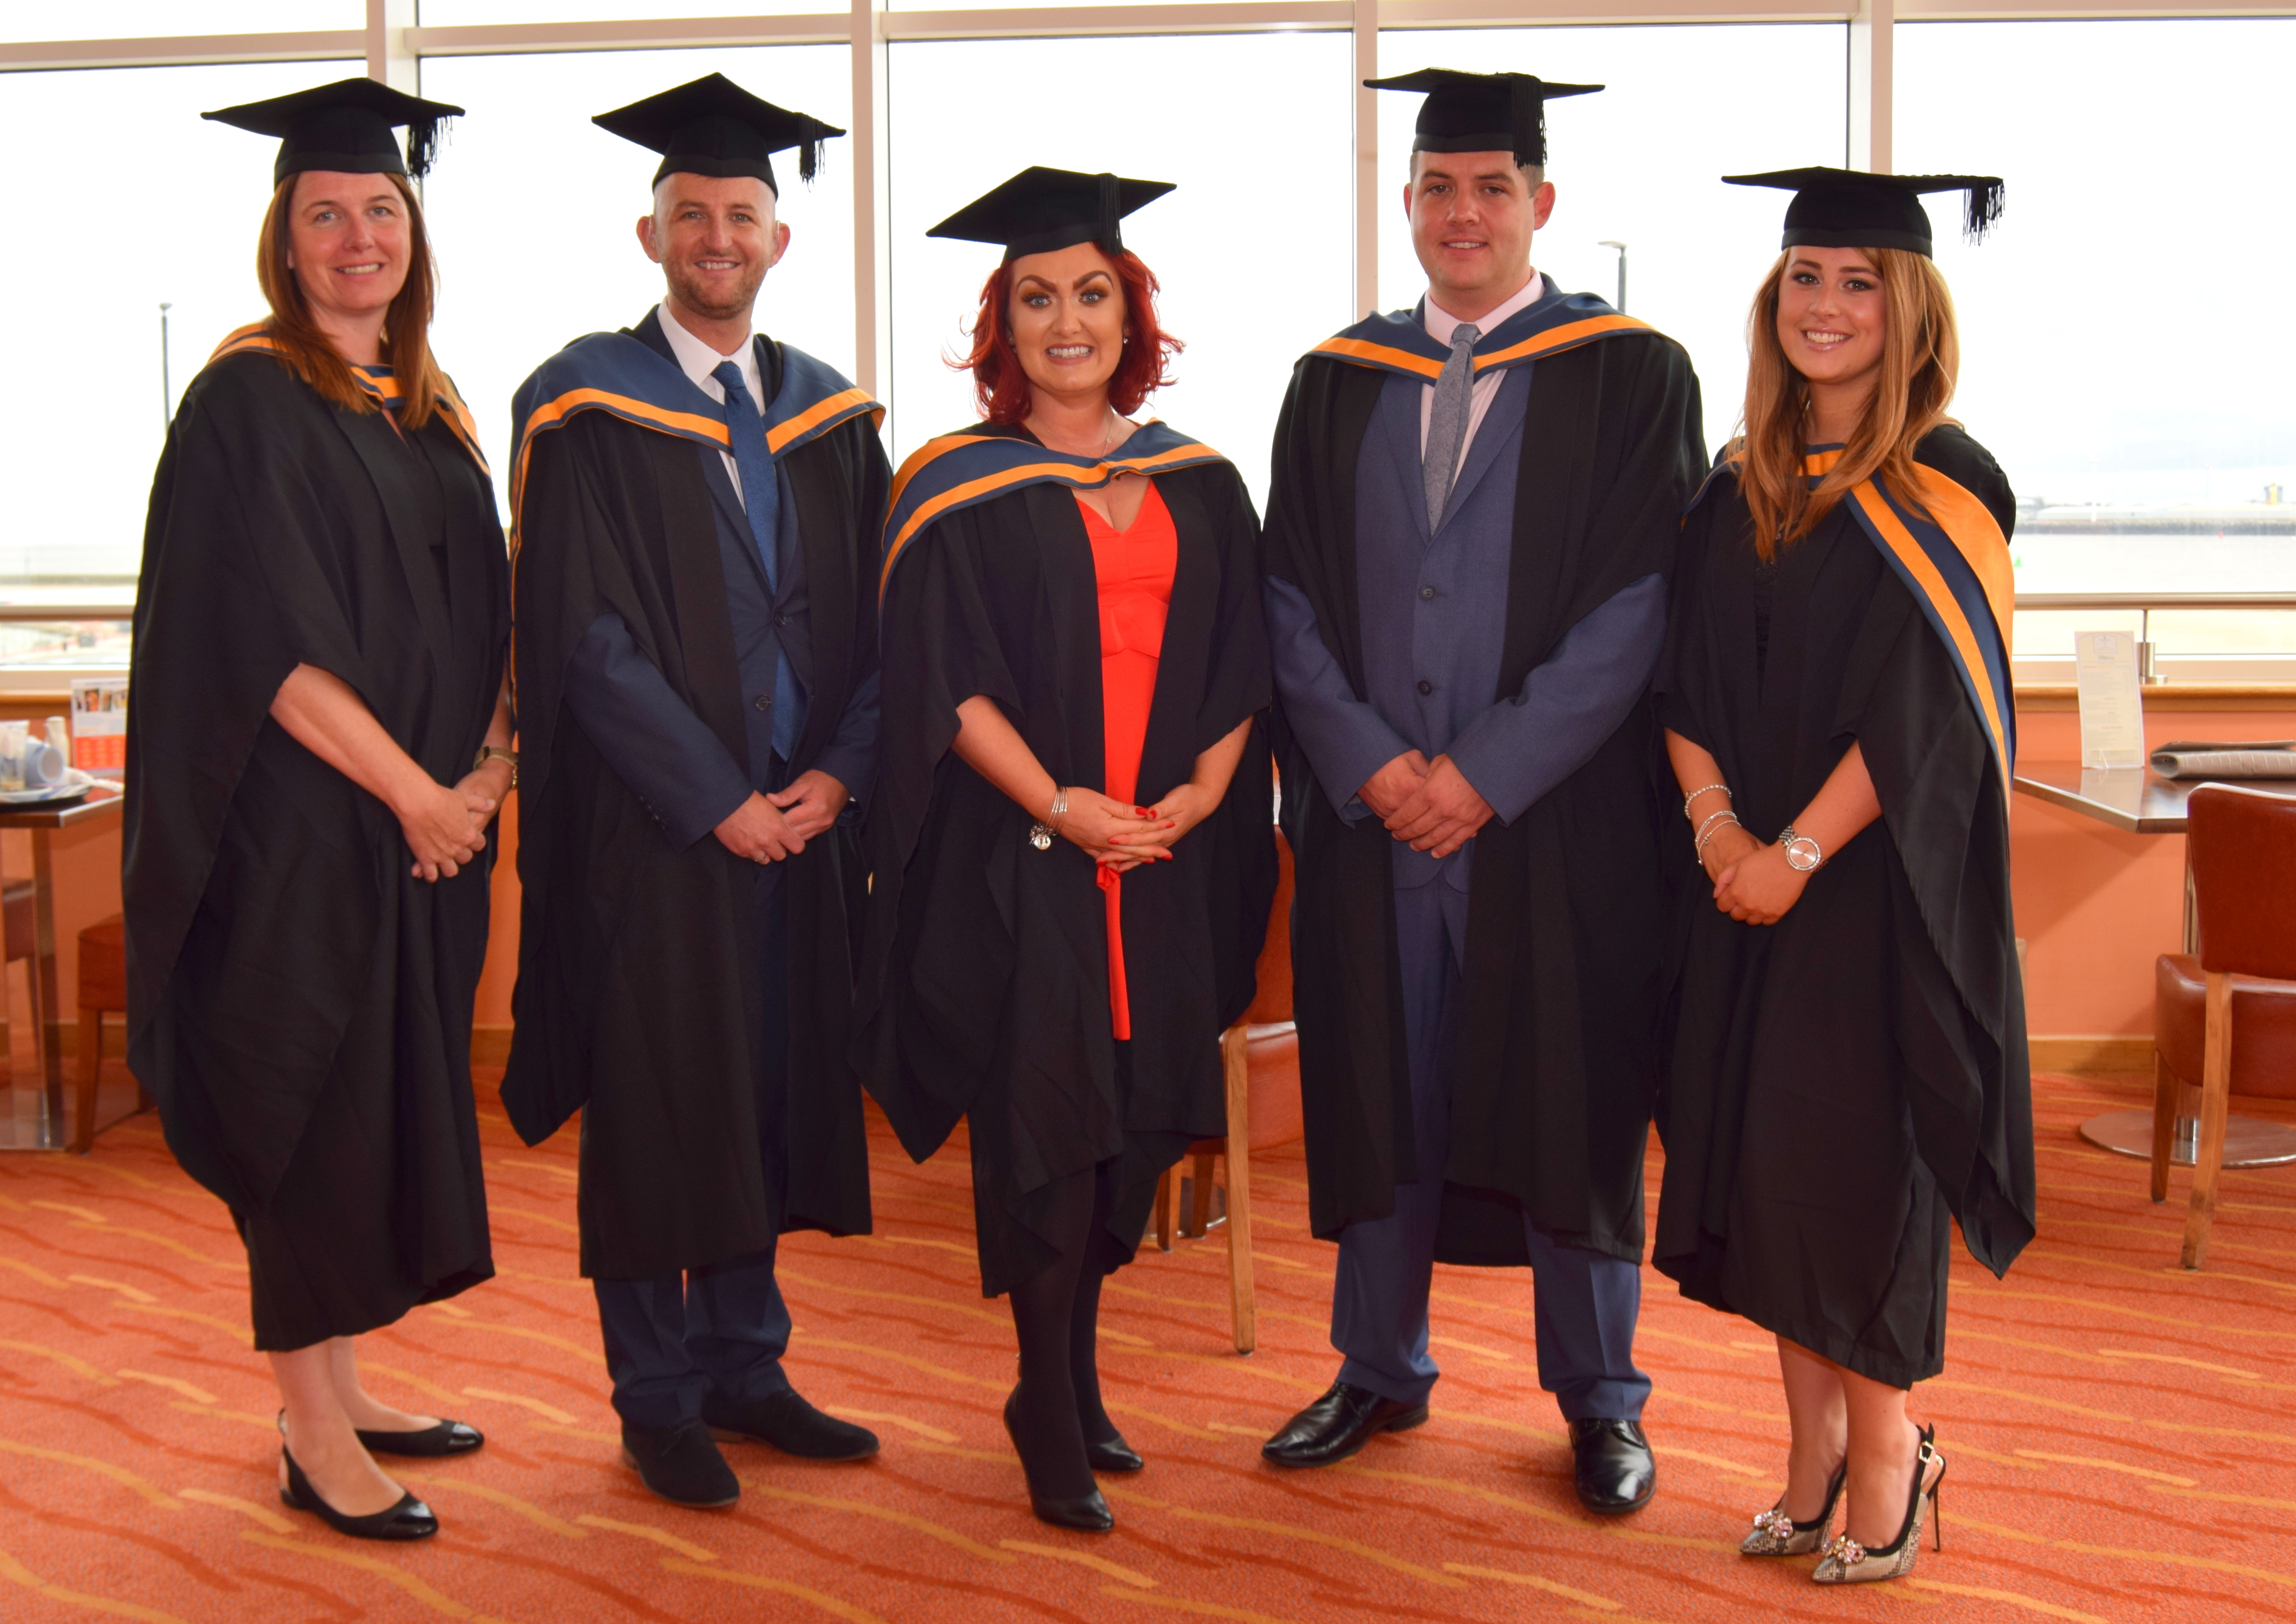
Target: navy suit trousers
1585,1303
723,1327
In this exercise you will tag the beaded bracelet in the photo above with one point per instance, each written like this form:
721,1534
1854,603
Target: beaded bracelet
1702,790
1698,849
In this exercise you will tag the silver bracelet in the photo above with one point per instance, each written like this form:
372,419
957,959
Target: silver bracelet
1699,848
1802,853
1702,790
1041,832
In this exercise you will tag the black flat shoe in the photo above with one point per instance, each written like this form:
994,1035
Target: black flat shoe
789,1424
410,1519
1338,1424
448,1438
1088,1513
1112,1454
1612,1468
680,1464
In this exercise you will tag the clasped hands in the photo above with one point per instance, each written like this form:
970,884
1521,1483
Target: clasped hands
446,827
768,828
1753,883
1120,837
1430,806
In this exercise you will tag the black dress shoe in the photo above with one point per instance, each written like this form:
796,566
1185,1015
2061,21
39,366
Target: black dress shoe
1112,1454
1614,1472
1338,1424
789,1424
410,1519
448,1438
680,1464
1088,1513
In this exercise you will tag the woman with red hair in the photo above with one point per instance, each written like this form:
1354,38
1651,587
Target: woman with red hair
1070,837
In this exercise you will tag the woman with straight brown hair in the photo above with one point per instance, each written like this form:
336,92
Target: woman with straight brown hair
320,736
1848,1066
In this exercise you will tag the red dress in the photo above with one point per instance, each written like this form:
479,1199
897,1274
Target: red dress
1134,569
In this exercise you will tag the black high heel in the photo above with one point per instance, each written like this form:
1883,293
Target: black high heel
1776,1534
1112,1454
1088,1513
1847,1562
410,1519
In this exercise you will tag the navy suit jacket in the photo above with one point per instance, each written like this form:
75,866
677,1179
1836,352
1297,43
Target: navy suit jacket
669,756
1434,621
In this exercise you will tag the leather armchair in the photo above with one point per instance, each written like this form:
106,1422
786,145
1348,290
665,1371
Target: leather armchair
2226,1017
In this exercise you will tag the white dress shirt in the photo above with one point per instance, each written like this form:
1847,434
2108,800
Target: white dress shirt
1440,324
699,361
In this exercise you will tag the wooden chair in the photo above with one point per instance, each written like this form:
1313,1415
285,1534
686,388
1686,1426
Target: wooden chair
103,986
22,942
2227,1016
1260,1055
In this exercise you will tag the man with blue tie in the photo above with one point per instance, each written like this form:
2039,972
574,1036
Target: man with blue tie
1472,511
695,518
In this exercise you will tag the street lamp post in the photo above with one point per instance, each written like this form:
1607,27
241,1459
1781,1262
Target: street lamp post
167,390
1620,302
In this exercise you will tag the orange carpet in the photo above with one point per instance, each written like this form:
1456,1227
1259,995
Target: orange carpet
2122,1435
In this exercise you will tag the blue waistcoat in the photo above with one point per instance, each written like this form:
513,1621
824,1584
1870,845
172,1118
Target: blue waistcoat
1434,607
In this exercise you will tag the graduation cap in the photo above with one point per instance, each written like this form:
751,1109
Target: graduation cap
344,127
713,126
1041,210
1851,209
1481,113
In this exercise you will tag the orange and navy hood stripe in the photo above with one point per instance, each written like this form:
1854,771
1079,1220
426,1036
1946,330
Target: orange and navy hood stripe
1398,342
957,470
617,372
1949,551
377,381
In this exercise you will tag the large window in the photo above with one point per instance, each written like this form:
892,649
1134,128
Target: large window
38,19
2150,457
155,206
2127,338
1252,250
1637,164
535,211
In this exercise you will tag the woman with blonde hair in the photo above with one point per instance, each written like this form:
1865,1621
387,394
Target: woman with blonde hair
1848,1064
320,736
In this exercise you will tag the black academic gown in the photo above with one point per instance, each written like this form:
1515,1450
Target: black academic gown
1558,1057
1843,1079
640,991
985,969
300,1004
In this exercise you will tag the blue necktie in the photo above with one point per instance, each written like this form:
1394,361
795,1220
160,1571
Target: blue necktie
760,490
1447,423
761,501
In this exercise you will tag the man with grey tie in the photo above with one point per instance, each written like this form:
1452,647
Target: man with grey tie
696,510
1472,518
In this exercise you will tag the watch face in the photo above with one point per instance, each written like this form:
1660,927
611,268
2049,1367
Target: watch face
1801,853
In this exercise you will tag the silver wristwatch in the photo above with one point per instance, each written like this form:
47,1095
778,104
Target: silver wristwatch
1802,851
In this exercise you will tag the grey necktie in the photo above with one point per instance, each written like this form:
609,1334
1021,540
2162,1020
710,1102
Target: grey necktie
1447,424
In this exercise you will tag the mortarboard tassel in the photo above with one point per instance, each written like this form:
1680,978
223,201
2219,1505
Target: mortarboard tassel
1983,209
422,144
809,151
1530,110
1111,213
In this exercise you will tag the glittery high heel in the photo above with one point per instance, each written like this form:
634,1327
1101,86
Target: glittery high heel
1776,1534
1847,1562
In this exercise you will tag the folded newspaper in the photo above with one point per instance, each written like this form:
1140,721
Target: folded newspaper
2238,758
